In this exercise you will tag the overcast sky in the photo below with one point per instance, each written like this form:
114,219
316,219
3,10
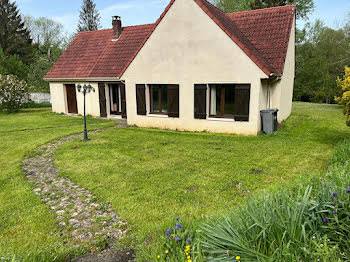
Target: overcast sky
134,12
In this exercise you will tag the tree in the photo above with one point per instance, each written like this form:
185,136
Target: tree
304,7
229,6
44,30
344,85
48,35
321,54
12,65
36,73
13,93
89,18
14,37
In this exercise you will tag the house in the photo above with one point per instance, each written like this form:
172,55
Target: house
195,69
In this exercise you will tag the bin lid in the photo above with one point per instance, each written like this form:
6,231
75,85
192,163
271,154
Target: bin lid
269,110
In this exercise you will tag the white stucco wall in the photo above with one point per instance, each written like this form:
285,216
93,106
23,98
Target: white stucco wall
188,48
282,91
59,99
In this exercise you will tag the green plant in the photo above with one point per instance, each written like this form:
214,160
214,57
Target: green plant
13,93
344,100
178,243
32,104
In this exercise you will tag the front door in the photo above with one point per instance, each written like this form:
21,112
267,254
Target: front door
117,99
72,99
102,99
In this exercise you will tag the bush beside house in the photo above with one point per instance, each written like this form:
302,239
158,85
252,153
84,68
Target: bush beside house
13,93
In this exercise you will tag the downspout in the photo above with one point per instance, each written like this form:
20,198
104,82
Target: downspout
273,78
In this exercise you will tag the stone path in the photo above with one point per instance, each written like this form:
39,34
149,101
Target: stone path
79,215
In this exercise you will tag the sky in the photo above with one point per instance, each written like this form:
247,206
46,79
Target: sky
135,12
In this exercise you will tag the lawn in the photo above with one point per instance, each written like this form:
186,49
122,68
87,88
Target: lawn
26,224
151,176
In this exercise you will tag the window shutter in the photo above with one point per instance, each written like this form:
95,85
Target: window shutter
102,99
123,99
173,100
242,100
200,101
141,99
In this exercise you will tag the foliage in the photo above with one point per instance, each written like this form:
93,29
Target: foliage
12,65
344,100
51,42
44,30
319,61
48,35
89,18
13,93
32,104
176,244
304,224
229,6
37,72
14,37
304,7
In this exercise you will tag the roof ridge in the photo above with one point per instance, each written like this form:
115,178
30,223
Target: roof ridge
138,25
94,31
262,9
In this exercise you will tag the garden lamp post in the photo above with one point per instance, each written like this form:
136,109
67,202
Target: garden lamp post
86,89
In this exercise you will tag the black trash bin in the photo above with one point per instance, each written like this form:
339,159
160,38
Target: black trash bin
269,120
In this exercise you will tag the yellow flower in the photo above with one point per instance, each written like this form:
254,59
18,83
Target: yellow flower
189,260
188,247
158,256
238,257
188,257
166,251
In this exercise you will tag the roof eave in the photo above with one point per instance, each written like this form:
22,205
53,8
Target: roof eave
84,79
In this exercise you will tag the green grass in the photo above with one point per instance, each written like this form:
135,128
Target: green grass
151,176
26,224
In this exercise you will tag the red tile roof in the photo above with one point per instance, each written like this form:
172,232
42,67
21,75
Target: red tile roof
94,54
268,30
262,34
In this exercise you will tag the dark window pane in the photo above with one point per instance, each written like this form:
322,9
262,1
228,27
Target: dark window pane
218,100
229,100
114,98
164,99
154,99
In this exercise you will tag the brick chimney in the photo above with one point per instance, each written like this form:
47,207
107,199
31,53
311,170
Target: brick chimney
117,27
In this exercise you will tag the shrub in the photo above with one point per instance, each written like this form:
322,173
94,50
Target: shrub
32,104
344,85
13,93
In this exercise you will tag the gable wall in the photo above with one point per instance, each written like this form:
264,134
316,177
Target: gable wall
188,48
282,91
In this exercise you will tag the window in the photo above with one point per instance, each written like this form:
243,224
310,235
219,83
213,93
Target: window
222,101
159,99
164,99
225,101
115,99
